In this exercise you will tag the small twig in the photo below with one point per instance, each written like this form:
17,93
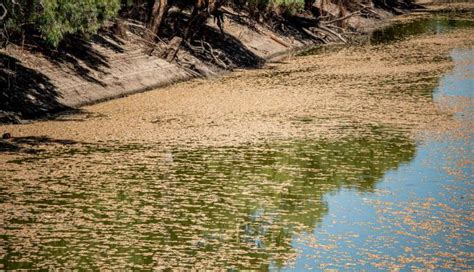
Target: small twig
324,17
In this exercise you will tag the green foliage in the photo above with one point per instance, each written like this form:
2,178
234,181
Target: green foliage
56,18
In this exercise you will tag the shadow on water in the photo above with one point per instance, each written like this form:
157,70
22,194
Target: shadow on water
235,207
29,144
400,31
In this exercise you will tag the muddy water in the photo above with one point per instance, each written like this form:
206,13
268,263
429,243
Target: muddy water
358,159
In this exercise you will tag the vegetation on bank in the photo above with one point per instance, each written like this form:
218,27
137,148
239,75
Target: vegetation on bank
54,20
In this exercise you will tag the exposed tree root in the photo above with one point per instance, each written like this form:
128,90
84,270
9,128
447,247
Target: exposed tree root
207,51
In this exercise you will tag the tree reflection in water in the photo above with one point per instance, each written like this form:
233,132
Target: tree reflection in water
143,206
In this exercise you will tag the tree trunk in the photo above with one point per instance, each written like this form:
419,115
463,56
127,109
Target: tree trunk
156,17
193,22
202,10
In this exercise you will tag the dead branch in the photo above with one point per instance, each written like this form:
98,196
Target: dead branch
370,10
307,31
278,40
208,52
332,32
173,48
211,51
341,18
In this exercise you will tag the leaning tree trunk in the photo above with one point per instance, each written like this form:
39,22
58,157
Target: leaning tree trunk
197,15
156,17
202,10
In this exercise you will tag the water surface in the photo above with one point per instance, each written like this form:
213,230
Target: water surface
369,195
404,30
418,216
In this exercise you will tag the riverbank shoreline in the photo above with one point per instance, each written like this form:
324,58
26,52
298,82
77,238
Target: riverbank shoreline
325,94
43,83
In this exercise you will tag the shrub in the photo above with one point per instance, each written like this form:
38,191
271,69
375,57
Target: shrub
57,18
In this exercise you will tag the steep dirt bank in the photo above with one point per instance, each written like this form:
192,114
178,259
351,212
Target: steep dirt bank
38,81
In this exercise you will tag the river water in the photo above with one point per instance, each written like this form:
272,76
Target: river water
370,193
418,213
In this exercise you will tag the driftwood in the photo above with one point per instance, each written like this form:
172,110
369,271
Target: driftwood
359,12
325,26
327,32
